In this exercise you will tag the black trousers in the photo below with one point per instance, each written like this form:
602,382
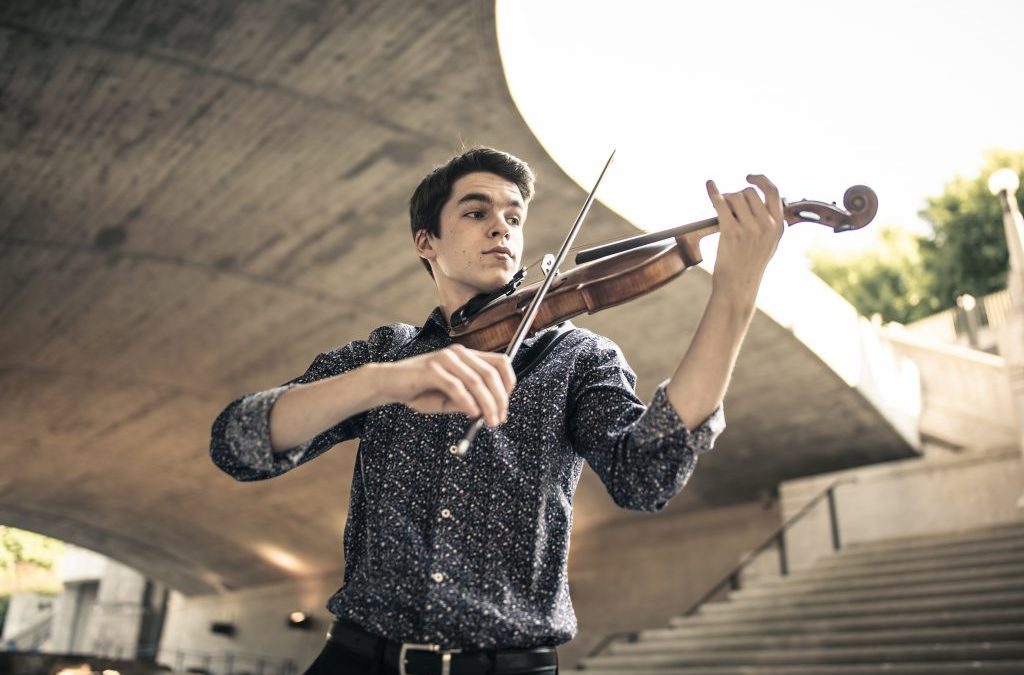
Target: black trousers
335,660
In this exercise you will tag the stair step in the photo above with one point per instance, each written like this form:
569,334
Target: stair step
987,600
990,651
839,594
978,602
699,625
848,557
651,644
1009,667
938,604
797,584
904,567
1006,530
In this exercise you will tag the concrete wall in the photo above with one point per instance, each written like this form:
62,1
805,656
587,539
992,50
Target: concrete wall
101,608
72,615
852,346
966,395
113,629
81,564
941,492
258,616
638,574
25,611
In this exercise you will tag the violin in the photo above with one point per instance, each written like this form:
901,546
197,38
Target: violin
615,273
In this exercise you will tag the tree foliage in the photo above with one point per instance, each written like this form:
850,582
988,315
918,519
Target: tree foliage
22,547
22,556
909,277
886,280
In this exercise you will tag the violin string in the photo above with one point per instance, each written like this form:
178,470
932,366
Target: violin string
583,247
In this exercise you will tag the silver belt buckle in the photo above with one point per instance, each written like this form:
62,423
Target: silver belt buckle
446,656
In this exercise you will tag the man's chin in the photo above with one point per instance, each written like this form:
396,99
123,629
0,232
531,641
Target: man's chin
493,283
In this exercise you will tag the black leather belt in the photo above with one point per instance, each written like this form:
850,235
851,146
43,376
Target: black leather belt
423,659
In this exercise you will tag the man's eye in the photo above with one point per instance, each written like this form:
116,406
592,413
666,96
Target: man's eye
475,214
513,220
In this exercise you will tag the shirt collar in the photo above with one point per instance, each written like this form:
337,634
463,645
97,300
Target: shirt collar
435,325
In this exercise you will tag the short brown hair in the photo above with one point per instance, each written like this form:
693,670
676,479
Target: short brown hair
435,189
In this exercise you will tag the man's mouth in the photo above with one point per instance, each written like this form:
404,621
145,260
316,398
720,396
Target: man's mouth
501,251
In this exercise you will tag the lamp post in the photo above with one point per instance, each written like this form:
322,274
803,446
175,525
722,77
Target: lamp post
1003,184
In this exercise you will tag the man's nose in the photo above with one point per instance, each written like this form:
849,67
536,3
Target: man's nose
500,228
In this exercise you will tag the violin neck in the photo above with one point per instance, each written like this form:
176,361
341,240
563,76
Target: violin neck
590,254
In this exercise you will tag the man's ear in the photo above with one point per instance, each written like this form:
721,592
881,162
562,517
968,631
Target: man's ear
424,245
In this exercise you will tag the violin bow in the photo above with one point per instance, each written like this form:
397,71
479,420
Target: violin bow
462,447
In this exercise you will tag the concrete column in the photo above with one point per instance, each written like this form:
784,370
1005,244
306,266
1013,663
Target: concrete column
1004,184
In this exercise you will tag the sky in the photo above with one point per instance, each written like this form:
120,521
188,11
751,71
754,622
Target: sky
898,95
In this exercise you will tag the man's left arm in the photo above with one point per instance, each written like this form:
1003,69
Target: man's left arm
645,454
750,232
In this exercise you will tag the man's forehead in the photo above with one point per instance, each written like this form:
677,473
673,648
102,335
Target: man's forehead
488,184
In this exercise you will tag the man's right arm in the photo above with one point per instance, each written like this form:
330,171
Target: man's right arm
265,434
456,379
302,412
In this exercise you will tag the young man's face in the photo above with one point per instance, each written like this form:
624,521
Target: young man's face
481,242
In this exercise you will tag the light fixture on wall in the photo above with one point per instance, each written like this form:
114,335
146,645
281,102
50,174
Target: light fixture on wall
299,621
222,628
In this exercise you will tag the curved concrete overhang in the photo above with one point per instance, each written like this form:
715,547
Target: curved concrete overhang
197,199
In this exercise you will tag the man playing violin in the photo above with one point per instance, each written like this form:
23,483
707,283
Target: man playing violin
458,564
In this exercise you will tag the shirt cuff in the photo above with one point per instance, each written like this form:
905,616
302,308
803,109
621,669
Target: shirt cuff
661,422
248,433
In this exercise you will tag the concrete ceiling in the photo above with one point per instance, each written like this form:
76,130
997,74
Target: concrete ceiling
198,197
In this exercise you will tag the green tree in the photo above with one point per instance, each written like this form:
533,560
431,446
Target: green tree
22,547
27,561
906,277
967,250
887,280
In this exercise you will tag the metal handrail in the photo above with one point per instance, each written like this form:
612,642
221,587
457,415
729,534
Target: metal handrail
32,635
732,578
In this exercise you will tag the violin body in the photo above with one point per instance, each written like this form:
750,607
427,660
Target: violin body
585,289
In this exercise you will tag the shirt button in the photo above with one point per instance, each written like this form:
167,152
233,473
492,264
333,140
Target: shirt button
437,576
454,449
445,513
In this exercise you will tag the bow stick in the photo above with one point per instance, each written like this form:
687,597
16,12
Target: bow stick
460,448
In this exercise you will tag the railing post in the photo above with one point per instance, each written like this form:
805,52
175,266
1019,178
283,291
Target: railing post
833,519
780,540
734,581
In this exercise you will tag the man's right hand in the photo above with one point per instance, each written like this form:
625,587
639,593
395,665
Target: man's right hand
456,379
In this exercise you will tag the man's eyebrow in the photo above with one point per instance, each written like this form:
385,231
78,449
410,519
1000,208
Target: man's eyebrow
481,197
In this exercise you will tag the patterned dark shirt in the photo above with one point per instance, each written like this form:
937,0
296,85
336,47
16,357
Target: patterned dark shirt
472,552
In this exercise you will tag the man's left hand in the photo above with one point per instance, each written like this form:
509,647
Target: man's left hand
750,231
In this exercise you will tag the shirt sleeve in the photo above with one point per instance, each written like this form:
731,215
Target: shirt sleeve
240,437
644,455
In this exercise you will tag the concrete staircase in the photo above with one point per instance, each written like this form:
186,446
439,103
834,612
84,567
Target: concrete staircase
941,604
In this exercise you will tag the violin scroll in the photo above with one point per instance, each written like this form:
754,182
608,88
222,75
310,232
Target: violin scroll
860,201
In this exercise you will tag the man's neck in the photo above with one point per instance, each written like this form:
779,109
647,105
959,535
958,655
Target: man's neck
451,299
